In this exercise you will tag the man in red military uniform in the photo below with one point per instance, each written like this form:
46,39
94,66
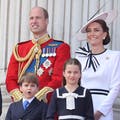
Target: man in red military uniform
42,55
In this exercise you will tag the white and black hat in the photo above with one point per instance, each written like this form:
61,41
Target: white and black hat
108,17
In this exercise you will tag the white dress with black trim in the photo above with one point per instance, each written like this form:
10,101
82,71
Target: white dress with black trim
71,106
103,81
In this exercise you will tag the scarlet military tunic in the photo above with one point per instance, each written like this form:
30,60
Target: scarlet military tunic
53,55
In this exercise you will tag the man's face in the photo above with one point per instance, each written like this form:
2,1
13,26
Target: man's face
37,22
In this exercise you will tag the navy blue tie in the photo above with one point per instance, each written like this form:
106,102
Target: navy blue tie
26,104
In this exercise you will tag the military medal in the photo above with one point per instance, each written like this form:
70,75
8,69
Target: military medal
40,71
50,52
47,63
54,53
43,52
47,53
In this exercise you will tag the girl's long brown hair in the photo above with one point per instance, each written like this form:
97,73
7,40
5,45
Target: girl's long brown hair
71,61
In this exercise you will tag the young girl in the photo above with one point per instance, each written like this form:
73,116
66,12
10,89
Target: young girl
71,102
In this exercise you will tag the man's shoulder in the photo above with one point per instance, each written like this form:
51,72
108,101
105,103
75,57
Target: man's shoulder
24,42
57,41
60,42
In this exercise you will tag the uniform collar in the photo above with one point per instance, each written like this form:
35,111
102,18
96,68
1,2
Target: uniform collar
42,39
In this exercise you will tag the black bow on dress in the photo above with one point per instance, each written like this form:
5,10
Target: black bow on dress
91,60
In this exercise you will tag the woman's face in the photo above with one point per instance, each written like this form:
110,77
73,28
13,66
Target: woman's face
95,34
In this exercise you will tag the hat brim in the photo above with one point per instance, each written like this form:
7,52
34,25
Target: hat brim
108,17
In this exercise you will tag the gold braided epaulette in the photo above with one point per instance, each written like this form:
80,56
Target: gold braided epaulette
35,50
41,95
16,95
22,59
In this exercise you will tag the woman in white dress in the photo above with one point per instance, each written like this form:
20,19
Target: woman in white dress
101,67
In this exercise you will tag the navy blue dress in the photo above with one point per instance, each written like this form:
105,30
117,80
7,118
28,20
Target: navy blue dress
82,110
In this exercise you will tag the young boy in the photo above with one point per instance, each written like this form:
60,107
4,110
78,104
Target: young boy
34,109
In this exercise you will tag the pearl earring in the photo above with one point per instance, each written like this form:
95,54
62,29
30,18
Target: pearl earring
103,38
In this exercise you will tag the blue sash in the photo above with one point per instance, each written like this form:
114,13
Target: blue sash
54,44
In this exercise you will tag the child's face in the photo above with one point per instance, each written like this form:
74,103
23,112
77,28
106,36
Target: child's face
29,89
72,74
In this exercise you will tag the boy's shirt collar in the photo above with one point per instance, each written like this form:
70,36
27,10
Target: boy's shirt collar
29,100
